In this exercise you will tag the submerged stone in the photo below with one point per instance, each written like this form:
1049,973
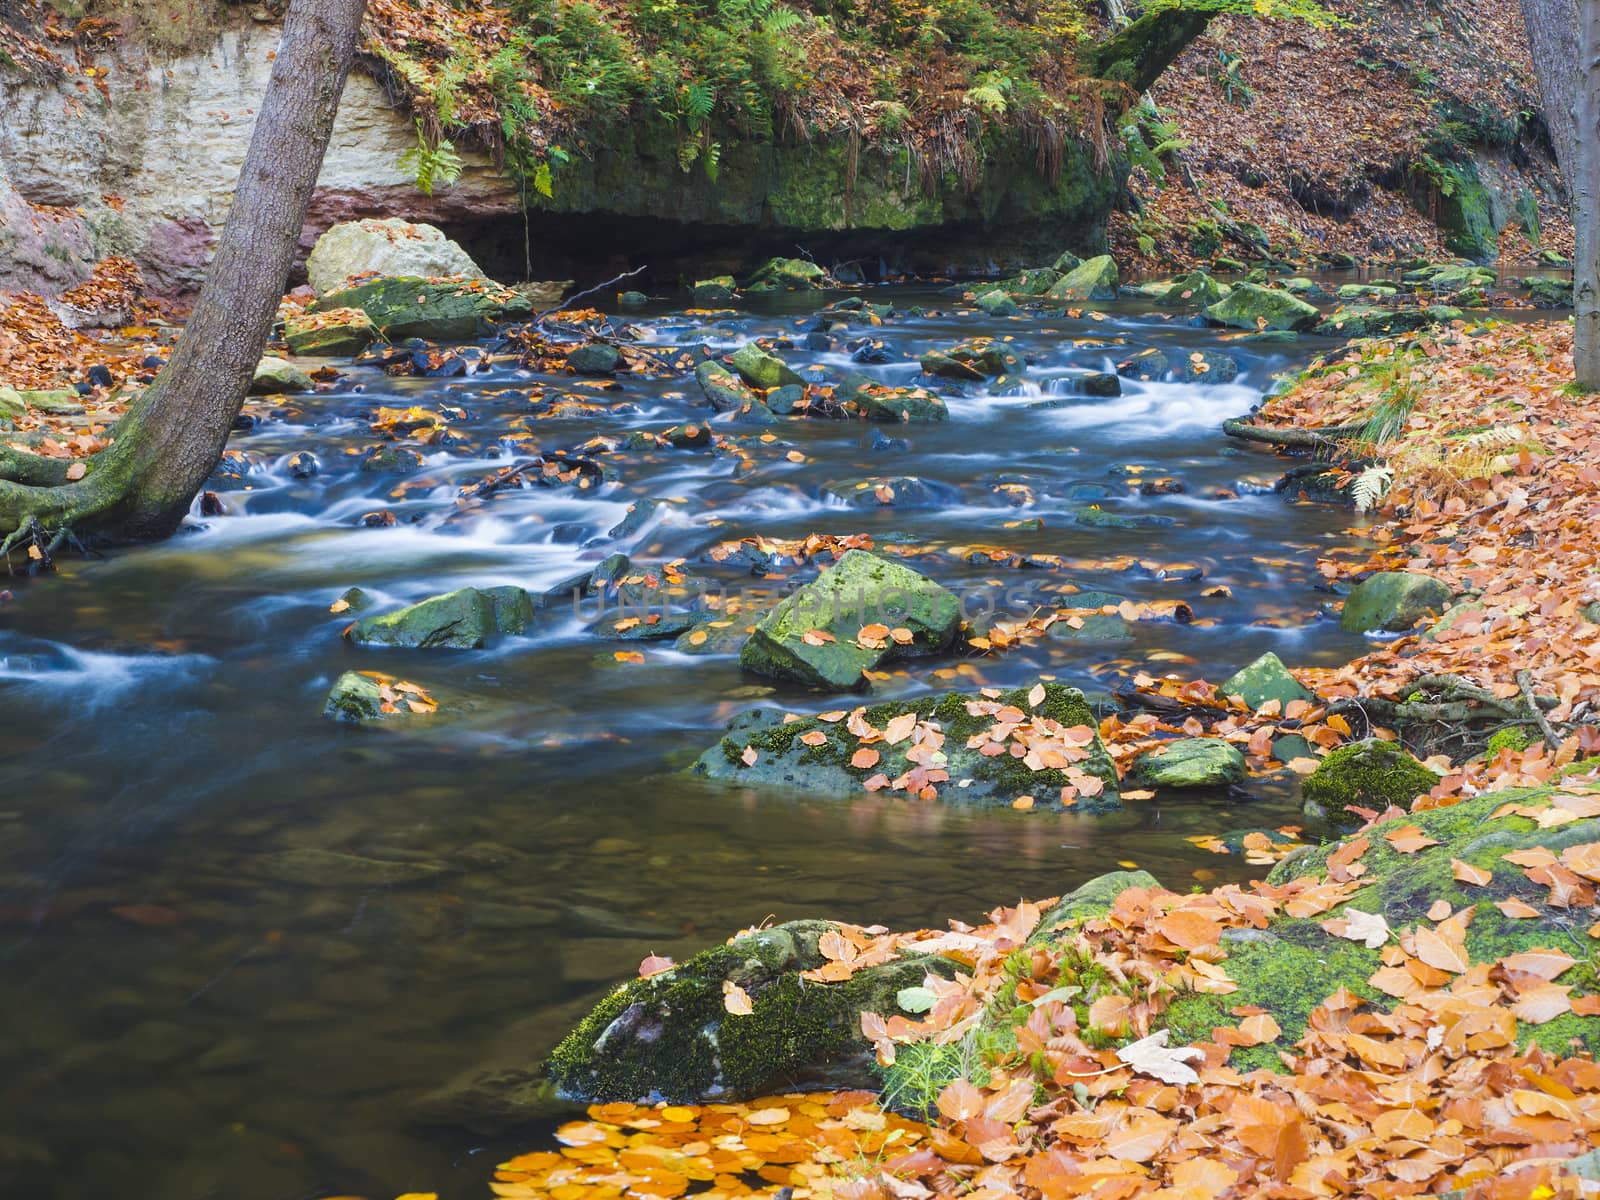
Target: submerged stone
313,867
459,620
1393,602
761,747
1191,763
811,637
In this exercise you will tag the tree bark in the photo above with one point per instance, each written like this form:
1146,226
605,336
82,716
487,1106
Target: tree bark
1553,41
1584,181
174,433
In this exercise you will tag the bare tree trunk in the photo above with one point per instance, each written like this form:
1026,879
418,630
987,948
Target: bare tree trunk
1584,180
1553,41
174,434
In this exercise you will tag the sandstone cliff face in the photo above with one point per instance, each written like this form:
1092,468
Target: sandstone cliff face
149,172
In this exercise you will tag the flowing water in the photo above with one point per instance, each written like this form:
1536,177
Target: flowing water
182,1023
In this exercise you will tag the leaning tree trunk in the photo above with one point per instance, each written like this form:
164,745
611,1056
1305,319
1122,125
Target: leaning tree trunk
1553,41
1584,181
174,433
1564,36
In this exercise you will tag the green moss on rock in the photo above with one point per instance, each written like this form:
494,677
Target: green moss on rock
670,1037
1394,601
1368,774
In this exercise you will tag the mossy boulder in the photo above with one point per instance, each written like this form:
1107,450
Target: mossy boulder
595,358
436,310
1251,306
762,370
462,620
789,275
1034,282
12,405
1264,680
671,1036
276,376
1190,763
337,332
1197,289
1093,628
997,304
717,290
1393,602
975,361
811,637
1548,292
783,758
1095,279
1090,900
1367,774
724,389
1460,277
879,403
393,247
1293,965
359,697
1365,320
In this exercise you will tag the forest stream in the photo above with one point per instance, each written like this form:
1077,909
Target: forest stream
183,1021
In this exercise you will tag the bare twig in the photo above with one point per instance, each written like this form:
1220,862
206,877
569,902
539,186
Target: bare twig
599,287
1525,682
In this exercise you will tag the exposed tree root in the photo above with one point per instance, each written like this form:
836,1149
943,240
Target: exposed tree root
1286,436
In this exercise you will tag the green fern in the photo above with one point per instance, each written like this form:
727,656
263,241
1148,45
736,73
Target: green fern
432,166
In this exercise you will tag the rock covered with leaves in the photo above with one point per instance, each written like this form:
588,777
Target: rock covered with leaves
1028,747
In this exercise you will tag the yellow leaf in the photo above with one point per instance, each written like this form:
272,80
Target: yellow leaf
735,999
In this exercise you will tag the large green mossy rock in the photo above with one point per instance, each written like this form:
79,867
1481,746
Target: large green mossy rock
1365,320
1033,282
331,333
1264,680
717,290
762,370
788,275
1095,279
462,620
1251,306
879,403
1190,763
860,589
1459,277
783,759
1292,966
1367,774
1198,289
671,1036
1393,602
1548,292
437,310
389,247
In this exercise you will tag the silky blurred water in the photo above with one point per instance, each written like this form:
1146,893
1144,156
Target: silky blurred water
182,1024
